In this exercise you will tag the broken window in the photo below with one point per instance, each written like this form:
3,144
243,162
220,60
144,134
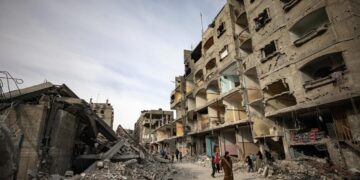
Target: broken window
288,4
262,19
221,29
196,53
269,51
309,27
324,70
208,43
102,111
278,95
224,52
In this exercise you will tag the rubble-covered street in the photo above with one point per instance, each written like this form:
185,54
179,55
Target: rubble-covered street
180,90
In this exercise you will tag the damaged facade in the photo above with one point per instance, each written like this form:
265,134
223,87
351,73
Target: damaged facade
104,110
278,76
153,127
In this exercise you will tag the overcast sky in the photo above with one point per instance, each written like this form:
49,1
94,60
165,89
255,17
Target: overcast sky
126,51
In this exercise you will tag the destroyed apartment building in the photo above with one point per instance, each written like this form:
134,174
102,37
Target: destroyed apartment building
153,127
47,131
280,76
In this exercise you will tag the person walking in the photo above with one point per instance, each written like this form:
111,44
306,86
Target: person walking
172,157
226,163
217,161
213,166
249,164
177,154
181,156
258,161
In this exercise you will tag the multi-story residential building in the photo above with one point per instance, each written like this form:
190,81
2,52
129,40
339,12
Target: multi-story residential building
104,110
154,127
278,76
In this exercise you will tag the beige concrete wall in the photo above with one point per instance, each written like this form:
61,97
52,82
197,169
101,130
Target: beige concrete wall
62,142
32,119
179,129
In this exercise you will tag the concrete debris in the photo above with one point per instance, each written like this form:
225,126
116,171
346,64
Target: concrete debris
54,135
132,170
302,168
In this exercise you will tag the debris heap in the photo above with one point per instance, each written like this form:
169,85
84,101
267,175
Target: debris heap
48,132
303,168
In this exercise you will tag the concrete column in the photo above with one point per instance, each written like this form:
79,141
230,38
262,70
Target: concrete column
286,148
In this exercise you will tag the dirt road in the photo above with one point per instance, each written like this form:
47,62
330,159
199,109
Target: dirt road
195,171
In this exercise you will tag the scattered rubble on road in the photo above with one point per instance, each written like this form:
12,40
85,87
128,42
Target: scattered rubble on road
131,170
302,168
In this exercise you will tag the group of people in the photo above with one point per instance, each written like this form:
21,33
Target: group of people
254,163
177,154
258,159
251,159
224,162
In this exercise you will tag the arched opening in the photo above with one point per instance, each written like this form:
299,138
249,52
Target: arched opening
212,91
209,43
210,65
199,77
200,98
323,70
310,26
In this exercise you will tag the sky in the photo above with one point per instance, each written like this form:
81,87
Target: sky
127,51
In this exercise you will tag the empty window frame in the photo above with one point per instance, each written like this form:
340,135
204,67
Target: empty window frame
323,70
270,50
310,26
262,19
224,52
221,29
187,70
278,95
277,87
289,4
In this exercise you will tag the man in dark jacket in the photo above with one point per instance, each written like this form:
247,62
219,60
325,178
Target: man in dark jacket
177,154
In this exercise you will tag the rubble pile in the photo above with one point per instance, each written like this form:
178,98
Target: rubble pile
139,164
130,170
302,168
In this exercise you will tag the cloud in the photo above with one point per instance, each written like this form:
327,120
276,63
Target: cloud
124,51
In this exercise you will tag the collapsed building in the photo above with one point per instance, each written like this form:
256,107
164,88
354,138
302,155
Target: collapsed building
46,130
279,76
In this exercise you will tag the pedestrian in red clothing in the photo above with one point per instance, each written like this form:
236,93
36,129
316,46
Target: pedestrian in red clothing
217,161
